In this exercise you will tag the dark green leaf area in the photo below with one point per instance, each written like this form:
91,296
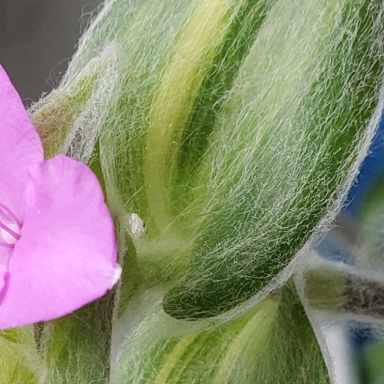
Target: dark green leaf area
266,210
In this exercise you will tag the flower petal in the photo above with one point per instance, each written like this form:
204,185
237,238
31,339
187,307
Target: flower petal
20,145
66,256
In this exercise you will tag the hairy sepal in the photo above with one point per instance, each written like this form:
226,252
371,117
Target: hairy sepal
151,347
285,146
232,145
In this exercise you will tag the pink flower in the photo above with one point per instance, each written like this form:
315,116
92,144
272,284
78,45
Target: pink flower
57,243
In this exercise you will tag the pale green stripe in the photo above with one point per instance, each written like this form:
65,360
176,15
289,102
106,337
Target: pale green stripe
173,358
178,89
191,354
253,328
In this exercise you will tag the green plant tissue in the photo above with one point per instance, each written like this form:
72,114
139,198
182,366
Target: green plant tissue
226,134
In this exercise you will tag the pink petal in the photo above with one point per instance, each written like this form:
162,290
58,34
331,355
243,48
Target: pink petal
20,146
66,256
5,255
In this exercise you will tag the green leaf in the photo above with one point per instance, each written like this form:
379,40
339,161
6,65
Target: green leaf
236,127
20,361
69,119
284,145
272,343
76,348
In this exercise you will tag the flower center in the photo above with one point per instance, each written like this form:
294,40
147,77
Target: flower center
10,227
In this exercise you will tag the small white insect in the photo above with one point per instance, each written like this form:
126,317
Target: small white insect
136,225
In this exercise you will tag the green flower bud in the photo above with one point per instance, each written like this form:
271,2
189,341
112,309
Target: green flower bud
235,127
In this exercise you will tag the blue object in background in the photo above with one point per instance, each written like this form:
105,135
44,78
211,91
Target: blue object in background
371,169
368,348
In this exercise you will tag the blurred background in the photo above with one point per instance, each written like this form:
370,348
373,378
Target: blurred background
37,40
